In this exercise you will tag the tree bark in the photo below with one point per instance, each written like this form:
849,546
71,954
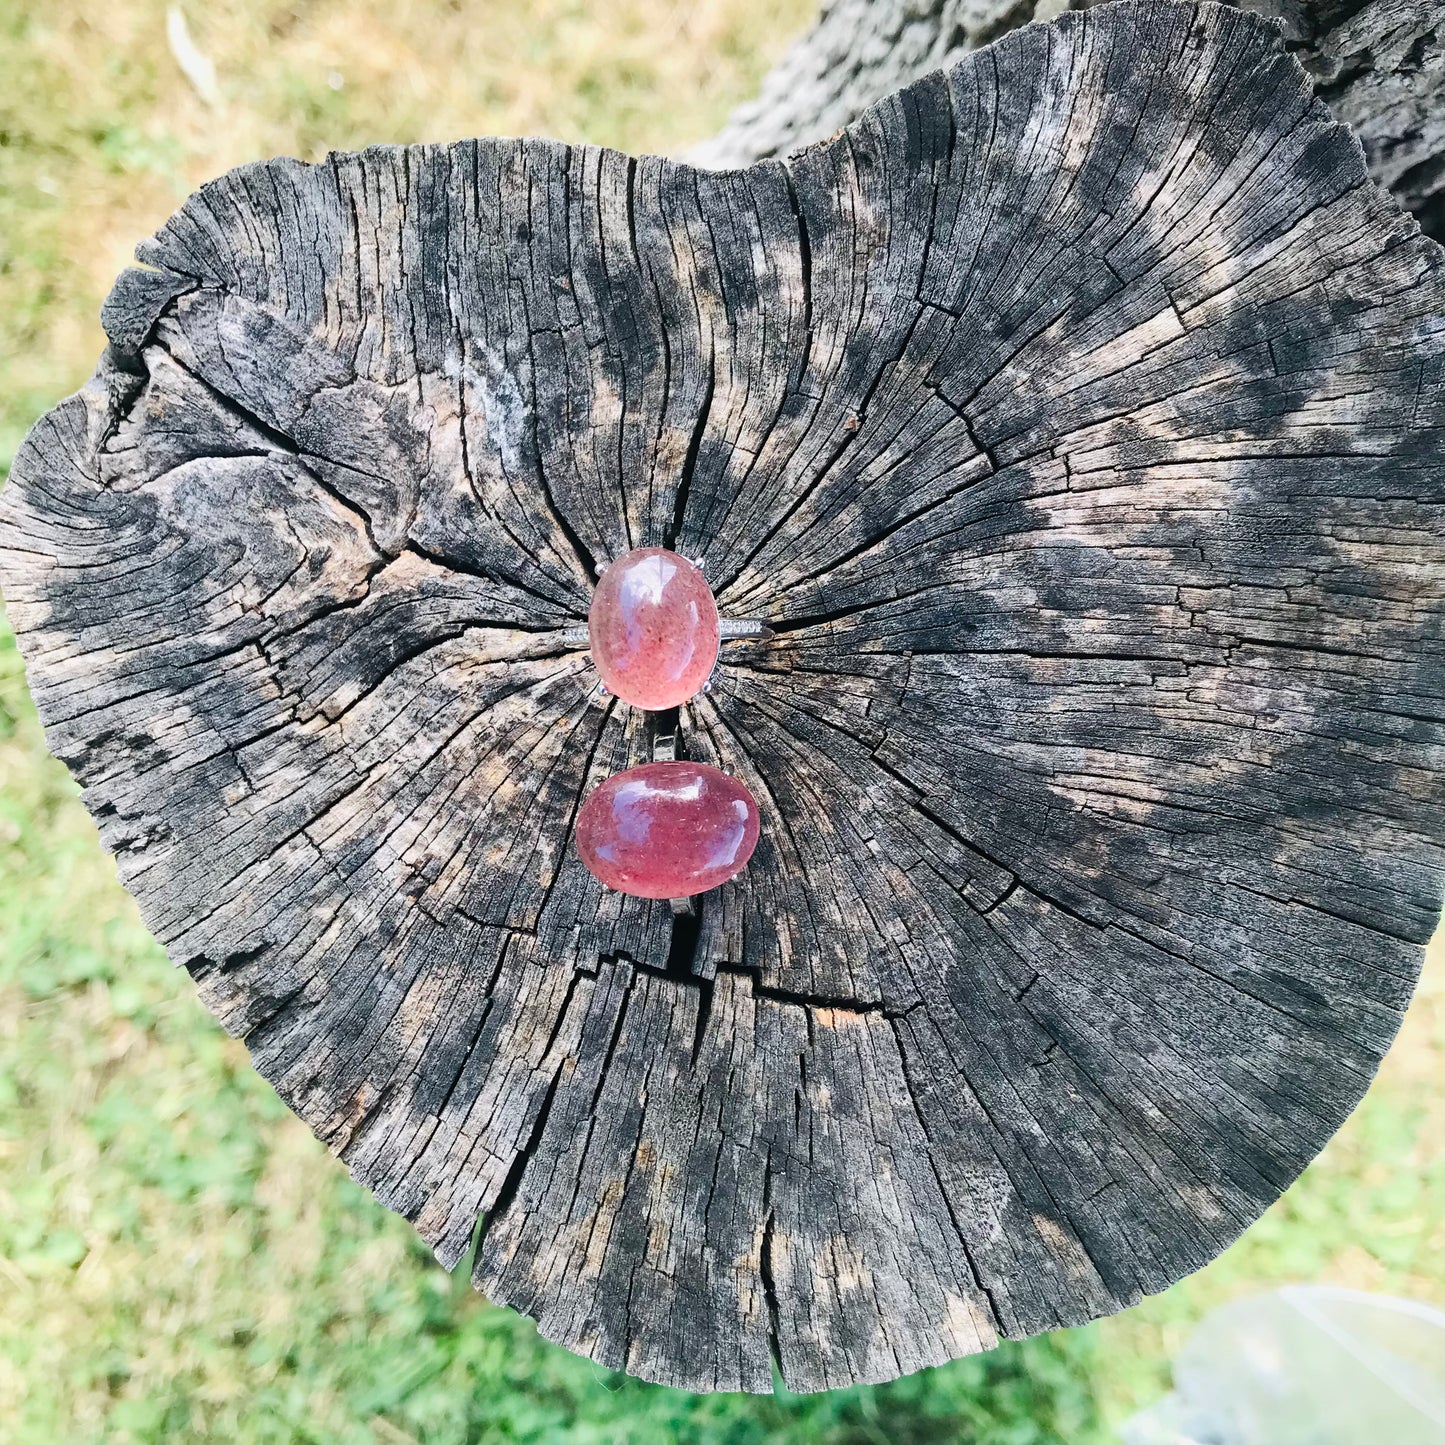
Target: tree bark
1076,418
1380,64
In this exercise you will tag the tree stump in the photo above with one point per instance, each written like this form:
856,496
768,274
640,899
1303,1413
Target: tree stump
1380,64
1076,418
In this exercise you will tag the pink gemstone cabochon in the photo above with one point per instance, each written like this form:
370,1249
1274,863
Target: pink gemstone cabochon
667,830
653,629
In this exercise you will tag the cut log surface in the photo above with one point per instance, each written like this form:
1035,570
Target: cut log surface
1076,418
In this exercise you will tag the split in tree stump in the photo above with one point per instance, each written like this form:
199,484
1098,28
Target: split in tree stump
1076,418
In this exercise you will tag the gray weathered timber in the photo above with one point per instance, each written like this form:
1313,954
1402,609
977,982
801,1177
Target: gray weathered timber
1076,419
1380,64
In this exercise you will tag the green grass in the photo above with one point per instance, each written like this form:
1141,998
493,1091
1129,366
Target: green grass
179,1259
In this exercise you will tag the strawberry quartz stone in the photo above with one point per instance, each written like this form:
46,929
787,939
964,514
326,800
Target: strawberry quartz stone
653,629
667,830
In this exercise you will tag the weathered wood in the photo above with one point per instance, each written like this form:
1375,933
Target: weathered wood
1380,64
1076,419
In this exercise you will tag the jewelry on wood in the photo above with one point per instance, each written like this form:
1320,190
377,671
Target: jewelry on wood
1076,418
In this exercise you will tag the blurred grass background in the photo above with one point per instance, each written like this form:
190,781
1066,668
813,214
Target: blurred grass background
179,1259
